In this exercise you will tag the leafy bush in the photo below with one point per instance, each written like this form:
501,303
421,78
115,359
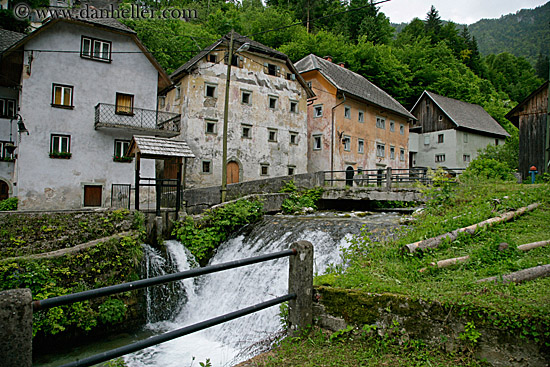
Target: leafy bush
203,236
8,204
112,311
299,200
488,169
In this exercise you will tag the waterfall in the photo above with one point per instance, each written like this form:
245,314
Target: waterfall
220,293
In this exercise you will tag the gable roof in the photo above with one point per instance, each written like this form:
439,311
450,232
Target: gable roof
352,83
152,147
238,41
9,38
519,107
465,115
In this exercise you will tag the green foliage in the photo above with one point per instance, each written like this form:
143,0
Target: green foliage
8,204
283,314
112,311
289,186
297,201
507,153
204,235
470,334
118,362
487,169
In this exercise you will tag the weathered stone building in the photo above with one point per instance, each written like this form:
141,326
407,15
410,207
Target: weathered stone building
449,132
352,124
267,114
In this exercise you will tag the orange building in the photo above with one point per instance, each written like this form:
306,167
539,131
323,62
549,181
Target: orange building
352,124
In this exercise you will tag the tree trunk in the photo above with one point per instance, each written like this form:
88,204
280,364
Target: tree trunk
525,275
530,246
448,262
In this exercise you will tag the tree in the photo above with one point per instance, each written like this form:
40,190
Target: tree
433,25
542,67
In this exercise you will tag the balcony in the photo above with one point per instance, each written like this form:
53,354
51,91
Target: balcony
138,121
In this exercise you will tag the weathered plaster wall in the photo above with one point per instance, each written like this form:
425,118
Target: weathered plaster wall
249,153
46,183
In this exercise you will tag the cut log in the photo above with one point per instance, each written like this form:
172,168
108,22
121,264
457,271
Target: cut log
434,242
447,262
530,246
525,275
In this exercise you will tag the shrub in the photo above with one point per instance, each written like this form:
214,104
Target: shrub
488,169
299,200
8,204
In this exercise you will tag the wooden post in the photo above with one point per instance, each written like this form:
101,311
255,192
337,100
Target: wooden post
388,178
178,189
225,120
300,282
16,328
158,189
138,157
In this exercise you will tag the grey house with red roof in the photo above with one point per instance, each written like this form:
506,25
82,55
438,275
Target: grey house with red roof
448,132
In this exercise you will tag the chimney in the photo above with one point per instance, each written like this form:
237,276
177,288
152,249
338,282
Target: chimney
342,64
328,58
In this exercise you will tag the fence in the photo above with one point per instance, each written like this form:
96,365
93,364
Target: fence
15,302
121,196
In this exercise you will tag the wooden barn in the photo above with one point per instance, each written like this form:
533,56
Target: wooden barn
531,117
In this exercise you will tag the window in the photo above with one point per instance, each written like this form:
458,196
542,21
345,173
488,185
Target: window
347,143
121,148
347,112
380,150
206,166
236,60
293,106
95,49
465,137
4,154
162,101
213,58
440,118
308,84
496,141
211,127
439,158
246,131
272,102
440,138
402,154
293,138
290,76
392,126
466,158
380,122
60,146
317,142
360,146
272,135
178,91
264,169
272,69
361,116
7,107
210,90
426,140
124,104
401,129
291,170
392,152
62,95
246,97
318,111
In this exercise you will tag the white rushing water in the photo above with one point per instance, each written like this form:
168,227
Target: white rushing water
231,290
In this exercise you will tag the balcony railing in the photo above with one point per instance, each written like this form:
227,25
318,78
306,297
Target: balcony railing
140,120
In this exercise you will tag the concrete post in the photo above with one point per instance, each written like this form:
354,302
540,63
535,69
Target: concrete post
16,328
300,281
388,178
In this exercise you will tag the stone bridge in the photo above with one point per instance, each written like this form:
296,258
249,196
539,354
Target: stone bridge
372,194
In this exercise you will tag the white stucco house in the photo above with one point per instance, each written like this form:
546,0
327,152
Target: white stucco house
82,89
267,114
448,133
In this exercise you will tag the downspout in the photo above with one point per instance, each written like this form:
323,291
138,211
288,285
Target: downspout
332,140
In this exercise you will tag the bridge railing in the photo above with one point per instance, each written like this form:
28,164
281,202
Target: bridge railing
300,287
385,177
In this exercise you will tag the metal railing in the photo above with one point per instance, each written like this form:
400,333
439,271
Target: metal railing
106,115
298,292
166,192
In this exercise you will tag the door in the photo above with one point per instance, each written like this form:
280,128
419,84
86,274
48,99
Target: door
4,190
349,176
92,195
171,166
232,172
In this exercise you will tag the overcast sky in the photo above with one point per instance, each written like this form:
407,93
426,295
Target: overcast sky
459,11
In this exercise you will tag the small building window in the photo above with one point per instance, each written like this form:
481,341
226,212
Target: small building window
246,97
246,131
496,141
440,138
440,118
401,129
4,154
426,139
392,125
439,158
293,138
162,101
380,150
60,146
206,166
361,116
121,148
392,152
95,49
264,169
213,58
291,170
347,112
317,142
466,158
294,106
360,146
402,154
62,95
7,107
124,104
347,143
178,91
380,122
210,127
210,90
272,135
318,111
465,137
272,69
272,102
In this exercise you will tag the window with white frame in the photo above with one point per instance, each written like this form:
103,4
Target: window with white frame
392,125
380,122
211,90
347,112
294,106
4,154
426,139
318,111
401,129
7,107
402,154
347,143
439,158
380,150
121,148
466,158
392,152
360,146
317,142
246,97
272,135
361,116
293,138
211,126
62,95
246,131
95,49
60,145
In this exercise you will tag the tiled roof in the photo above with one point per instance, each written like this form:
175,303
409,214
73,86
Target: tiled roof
152,146
9,38
352,83
108,23
467,115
